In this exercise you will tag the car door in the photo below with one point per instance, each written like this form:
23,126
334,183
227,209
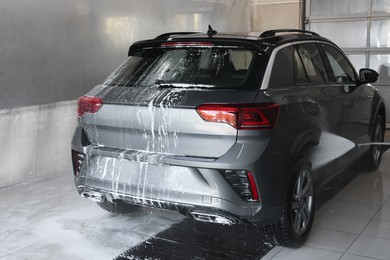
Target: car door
356,97
325,106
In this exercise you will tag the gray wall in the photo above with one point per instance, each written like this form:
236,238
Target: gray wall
35,141
55,50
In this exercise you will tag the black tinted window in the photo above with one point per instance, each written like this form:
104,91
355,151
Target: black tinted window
310,57
341,70
191,67
282,70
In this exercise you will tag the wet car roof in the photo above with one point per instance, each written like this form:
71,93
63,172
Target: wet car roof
261,41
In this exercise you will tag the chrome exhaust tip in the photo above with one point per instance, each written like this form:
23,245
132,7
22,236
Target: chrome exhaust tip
93,195
213,218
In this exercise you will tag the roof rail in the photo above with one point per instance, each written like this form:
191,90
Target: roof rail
167,35
274,32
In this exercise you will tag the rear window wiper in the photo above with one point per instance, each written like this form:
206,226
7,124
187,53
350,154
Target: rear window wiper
167,84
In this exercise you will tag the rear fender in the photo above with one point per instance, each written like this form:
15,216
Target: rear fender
281,179
303,141
300,146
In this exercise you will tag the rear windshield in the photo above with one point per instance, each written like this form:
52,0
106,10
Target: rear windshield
191,68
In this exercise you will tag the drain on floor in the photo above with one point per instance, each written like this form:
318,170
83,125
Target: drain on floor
191,239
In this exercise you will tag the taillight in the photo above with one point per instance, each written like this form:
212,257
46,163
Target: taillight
187,44
241,116
88,104
243,183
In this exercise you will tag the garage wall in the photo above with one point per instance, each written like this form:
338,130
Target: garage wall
53,51
35,140
268,14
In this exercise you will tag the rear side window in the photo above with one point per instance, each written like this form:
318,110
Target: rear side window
298,64
282,70
340,69
309,64
191,67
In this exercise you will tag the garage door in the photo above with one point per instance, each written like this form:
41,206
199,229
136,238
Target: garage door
361,28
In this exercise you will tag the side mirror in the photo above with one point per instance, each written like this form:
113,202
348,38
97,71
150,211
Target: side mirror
368,76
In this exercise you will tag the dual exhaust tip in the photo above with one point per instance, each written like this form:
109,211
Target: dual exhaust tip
211,217
199,215
94,196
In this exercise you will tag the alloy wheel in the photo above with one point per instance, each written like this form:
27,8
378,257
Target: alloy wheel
302,202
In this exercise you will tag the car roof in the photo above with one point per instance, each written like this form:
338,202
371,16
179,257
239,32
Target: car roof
270,38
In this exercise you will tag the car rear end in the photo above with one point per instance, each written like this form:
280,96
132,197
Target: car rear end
176,126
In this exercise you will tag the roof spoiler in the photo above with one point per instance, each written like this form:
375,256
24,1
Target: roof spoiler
167,35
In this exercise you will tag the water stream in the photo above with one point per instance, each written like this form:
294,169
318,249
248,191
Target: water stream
331,147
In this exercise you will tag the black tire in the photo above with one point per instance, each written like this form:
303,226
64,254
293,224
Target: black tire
374,155
297,217
118,207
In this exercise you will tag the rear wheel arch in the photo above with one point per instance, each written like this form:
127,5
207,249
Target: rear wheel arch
303,142
291,231
299,151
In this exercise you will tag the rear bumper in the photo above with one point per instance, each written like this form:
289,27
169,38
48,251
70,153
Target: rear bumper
191,191
204,214
193,186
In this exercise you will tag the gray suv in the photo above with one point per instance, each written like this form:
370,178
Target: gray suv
227,128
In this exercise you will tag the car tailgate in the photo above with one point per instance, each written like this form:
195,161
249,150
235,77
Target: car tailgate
162,121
